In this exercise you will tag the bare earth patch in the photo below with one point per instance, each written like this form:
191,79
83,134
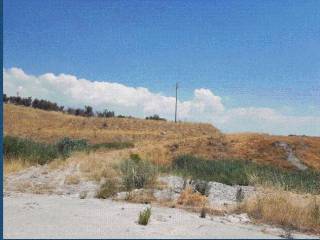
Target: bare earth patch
65,217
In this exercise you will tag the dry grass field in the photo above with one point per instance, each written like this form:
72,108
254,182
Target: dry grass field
160,141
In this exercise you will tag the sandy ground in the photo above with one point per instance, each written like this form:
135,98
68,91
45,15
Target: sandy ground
45,216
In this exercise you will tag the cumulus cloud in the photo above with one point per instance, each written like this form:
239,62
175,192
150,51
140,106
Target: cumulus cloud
204,106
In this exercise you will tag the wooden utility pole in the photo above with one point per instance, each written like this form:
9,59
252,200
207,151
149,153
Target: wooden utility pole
176,108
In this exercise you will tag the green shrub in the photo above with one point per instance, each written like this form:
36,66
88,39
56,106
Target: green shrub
144,216
35,152
66,145
108,189
41,153
240,172
137,173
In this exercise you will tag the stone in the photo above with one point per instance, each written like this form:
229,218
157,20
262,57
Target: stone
176,184
165,195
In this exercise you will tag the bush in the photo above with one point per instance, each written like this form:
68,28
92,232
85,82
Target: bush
144,216
240,172
137,173
108,189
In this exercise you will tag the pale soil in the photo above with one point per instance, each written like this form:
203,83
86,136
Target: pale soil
44,216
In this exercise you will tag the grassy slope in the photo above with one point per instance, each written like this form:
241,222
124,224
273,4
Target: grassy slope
160,141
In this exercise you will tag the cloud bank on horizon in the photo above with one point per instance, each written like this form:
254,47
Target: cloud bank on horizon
204,106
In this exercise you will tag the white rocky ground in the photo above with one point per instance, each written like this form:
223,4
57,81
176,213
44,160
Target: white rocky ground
60,213
44,216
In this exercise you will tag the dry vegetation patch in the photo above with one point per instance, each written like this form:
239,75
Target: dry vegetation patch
14,165
72,179
189,198
287,209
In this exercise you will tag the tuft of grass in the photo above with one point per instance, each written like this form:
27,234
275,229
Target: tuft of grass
239,172
108,189
137,173
144,216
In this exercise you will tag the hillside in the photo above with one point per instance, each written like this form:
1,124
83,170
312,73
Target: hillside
161,141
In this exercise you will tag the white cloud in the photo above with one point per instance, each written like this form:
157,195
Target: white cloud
205,106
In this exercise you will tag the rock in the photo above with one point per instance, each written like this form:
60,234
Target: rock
165,195
176,184
291,157
121,196
200,186
222,194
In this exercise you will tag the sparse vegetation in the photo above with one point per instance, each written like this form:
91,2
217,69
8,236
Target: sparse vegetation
239,172
137,173
144,216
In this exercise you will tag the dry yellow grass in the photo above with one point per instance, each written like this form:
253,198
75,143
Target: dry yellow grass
285,209
72,179
14,165
145,196
98,165
195,200
159,141
51,126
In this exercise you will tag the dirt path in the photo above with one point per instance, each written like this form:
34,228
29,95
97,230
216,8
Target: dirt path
43,216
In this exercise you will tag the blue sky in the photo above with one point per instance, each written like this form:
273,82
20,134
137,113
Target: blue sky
260,54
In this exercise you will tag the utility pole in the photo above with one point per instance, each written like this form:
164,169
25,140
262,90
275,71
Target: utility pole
176,108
